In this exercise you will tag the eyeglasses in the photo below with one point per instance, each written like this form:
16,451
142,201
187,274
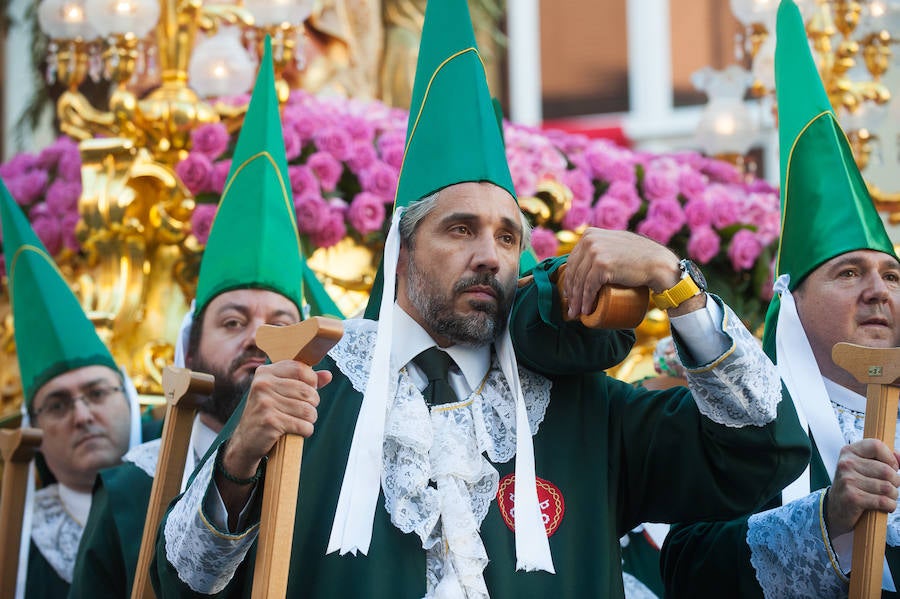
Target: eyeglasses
59,407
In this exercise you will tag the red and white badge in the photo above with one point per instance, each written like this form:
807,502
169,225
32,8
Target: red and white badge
550,501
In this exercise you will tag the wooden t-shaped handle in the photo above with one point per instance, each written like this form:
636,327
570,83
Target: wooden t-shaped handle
185,391
879,369
615,307
17,448
306,342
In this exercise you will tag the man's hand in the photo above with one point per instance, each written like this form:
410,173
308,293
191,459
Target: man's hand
618,257
866,479
282,400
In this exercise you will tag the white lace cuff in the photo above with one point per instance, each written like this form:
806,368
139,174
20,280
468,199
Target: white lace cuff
741,387
790,552
205,556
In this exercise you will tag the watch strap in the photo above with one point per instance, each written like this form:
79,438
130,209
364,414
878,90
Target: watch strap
676,295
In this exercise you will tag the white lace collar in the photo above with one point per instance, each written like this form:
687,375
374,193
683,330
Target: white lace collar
55,532
446,445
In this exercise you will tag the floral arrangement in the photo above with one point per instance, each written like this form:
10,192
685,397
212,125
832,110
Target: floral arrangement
344,157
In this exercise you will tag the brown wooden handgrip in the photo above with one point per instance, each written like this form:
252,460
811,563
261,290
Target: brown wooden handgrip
17,448
185,390
879,368
307,342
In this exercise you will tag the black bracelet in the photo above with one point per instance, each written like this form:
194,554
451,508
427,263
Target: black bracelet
220,468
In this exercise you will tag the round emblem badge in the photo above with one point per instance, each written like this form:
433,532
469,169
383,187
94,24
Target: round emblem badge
550,501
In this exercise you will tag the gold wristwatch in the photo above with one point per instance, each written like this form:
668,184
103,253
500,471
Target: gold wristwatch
692,283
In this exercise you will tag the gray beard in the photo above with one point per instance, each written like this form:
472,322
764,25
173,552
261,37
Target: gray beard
478,329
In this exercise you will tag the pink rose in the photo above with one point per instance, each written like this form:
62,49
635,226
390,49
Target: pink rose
18,166
722,172
524,177
366,213
744,249
62,197
360,130
544,243
691,183
303,182
657,230
381,180
219,176
298,119
312,213
49,231
363,156
766,293
69,226
625,193
393,156
27,188
725,211
202,220
578,215
210,140
293,144
703,244
50,156
660,184
195,171
581,185
611,213
668,211
334,140
332,231
697,213
326,168
69,166
608,164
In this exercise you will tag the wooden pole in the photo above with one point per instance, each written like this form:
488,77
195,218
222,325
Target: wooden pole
185,391
17,448
306,342
879,369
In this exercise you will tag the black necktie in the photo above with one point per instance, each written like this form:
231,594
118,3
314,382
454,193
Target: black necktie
436,366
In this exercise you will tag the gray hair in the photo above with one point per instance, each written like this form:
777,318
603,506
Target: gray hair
417,211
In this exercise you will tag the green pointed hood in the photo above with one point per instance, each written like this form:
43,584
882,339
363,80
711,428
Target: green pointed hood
53,335
826,209
452,135
254,242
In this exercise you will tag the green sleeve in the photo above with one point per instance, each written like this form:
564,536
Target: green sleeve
551,346
679,466
99,568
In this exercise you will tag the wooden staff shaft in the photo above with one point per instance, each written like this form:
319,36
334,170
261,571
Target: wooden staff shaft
879,369
17,448
306,342
184,391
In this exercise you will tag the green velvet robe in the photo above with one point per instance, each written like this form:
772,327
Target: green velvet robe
620,456
110,546
43,581
712,559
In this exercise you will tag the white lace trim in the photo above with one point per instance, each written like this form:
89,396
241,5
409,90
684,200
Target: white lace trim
204,557
742,387
789,553
145,456
445,445
55,533
635,589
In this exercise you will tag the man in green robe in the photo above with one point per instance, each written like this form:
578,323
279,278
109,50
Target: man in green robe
436,463
74,392
839,281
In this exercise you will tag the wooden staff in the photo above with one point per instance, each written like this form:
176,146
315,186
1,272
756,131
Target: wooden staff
616,307
306,342
17,448
185,391
879,369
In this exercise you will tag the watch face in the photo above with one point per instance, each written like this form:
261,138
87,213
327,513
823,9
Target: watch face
695,273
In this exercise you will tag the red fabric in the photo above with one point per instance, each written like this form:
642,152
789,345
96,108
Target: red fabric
592,129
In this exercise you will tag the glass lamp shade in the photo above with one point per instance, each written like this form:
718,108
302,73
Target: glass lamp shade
276,12
65,19
111,17
749,12
221,66
726,125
